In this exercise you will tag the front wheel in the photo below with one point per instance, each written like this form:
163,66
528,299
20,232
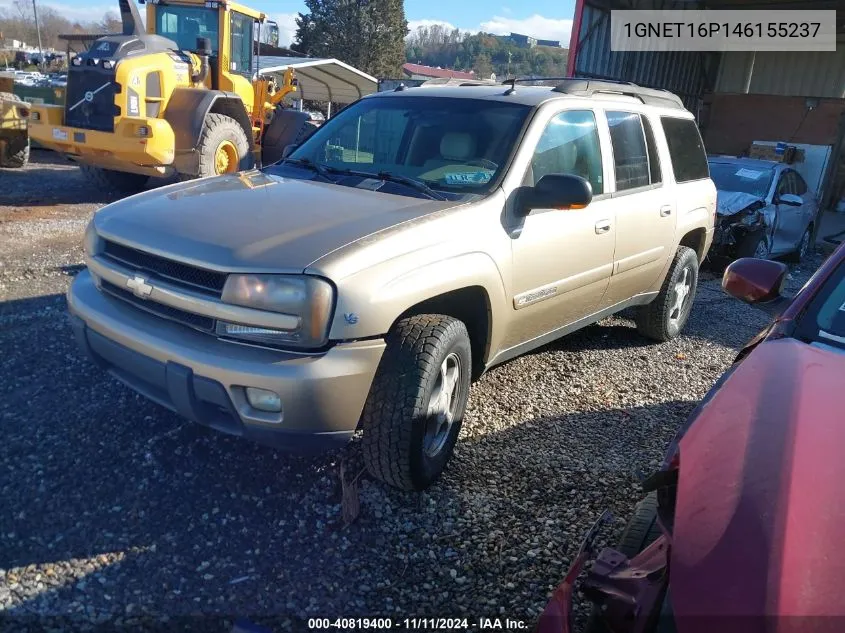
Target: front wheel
753,245
665,317
416,404
642,530
223,148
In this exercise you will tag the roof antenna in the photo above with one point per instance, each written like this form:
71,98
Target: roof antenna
512,89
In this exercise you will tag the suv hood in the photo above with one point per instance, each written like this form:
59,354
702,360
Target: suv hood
760,513
254,221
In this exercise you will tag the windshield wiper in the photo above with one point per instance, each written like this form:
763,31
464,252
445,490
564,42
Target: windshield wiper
309,164
324,171
412,183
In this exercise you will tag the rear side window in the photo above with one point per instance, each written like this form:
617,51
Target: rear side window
689,160
630,157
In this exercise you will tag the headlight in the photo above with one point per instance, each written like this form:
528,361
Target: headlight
309,299
750,218
92,242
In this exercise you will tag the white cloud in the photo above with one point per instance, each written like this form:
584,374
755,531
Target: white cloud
535,26
287,27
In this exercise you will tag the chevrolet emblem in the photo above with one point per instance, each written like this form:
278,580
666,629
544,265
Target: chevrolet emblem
139,286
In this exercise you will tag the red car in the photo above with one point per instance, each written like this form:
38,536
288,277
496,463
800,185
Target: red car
743,525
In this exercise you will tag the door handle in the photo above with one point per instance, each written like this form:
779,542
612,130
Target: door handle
602,226
665,211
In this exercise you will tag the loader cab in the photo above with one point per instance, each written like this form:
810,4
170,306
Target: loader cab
230,28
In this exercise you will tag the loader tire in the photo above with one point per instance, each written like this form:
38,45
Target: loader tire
111,181
223,148
14,155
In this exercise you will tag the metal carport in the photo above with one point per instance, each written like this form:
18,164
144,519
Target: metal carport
327,80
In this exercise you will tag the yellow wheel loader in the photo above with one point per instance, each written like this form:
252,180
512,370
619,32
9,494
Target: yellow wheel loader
14,113
180,99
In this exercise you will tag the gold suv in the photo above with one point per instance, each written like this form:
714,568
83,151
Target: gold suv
418,238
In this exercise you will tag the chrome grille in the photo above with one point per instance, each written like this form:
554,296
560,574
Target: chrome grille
196,321
207,281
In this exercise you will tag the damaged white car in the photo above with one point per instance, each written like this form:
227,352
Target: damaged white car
765,209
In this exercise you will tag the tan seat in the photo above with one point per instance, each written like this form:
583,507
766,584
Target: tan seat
455,148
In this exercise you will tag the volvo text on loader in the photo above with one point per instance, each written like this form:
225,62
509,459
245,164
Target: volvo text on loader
181,99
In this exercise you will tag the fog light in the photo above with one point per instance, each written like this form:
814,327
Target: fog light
143,130
264,399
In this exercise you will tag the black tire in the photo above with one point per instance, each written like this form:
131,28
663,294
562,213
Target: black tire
395,419
656,320
16,153
749,245
642,530
111,181
804,250
217,129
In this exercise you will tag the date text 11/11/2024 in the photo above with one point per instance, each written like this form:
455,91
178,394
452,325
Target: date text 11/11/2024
419,624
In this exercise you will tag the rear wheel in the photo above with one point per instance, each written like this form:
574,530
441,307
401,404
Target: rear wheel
804,247
223,147
664,318
111,181
416,404
14,153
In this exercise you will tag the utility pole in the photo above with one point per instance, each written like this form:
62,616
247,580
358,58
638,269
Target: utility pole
38,31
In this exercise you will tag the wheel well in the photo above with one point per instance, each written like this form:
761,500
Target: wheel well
695,240
235,109
470,305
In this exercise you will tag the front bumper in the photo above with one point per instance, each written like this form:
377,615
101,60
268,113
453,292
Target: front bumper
204,379
110,150
629,592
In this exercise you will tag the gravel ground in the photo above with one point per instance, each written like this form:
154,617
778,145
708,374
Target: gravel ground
115,510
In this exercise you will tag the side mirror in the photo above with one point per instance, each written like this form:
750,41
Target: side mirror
288,150
555,191
790,200
755,280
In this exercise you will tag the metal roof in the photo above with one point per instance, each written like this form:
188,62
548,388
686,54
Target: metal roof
323,79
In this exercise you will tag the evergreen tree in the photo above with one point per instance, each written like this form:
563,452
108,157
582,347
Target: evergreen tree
367,34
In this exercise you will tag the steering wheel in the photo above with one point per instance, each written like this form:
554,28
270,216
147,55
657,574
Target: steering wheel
483,162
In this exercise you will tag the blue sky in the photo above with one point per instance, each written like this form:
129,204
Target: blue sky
550,19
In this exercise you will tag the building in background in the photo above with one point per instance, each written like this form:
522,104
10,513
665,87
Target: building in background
526,41
418,71
739,98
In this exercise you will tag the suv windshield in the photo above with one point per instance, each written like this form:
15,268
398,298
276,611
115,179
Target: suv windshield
824,321
184,25
736,177
451,145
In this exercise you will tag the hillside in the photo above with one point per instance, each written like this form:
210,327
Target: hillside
483,53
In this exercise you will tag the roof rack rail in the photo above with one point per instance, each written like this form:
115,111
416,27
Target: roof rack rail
590,87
